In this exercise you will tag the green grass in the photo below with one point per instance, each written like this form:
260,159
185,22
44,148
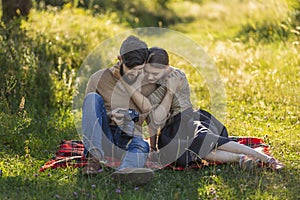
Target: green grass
262,82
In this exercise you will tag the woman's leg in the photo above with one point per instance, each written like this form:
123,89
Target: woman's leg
245,162
223,156
235,147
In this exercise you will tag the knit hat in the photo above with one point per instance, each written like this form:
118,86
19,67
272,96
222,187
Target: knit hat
132,43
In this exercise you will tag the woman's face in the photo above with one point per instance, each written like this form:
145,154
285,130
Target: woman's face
153,74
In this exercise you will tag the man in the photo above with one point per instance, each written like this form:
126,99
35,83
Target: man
106,129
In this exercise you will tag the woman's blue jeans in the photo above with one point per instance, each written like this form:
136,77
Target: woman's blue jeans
105,140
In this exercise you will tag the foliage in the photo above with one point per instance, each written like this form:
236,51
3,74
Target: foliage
280,27
135,13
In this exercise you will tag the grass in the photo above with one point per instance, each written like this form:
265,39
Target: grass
262,82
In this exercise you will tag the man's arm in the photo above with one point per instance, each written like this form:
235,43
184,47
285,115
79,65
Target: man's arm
93,82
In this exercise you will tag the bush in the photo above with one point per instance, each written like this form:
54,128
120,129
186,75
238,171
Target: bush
265,31
18,67
135,13
18,74
38,60
280,28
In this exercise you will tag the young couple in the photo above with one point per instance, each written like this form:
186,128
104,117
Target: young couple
144,81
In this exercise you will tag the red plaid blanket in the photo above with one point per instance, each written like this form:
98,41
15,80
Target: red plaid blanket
70,154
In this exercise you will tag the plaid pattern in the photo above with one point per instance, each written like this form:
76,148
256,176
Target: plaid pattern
70,154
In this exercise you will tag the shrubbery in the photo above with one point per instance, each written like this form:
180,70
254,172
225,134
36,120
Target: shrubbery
271,30
135,13
38,60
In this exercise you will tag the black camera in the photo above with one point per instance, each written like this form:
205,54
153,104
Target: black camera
130,117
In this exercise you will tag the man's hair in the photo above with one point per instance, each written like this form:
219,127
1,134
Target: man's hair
158,57
133,52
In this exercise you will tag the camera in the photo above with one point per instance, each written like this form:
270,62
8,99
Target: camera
130,117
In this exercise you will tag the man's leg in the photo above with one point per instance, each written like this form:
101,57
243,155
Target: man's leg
131,169
136,154
94,125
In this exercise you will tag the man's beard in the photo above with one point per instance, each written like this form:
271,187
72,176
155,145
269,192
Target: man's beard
126,78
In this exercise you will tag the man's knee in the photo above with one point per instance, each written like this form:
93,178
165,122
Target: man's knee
140,145
93,98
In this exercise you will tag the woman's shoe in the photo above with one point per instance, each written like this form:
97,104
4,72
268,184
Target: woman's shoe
247,162
274,164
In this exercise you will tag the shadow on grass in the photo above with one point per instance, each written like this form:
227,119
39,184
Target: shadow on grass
229,182
220,182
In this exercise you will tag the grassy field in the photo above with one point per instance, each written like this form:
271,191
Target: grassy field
255,47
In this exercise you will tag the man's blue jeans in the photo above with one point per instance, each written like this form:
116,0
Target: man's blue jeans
104,140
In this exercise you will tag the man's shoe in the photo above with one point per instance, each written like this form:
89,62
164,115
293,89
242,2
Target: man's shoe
135,176
93,166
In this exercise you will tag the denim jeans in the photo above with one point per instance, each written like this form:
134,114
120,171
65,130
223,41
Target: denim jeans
105,140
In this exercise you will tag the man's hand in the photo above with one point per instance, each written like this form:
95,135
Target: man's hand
117,117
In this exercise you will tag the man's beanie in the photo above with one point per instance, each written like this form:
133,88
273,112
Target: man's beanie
133,52
132,43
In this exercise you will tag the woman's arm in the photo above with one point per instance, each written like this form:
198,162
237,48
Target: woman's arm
153,138
162,98
140,100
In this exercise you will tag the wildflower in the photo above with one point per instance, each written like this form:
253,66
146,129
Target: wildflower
100,170
136,188
49,175
93,186
75,194
118,190
36,175
212,191
22,104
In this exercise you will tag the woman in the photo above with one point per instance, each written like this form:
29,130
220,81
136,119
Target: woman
182,136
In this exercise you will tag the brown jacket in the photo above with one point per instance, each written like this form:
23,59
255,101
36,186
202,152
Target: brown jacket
106,83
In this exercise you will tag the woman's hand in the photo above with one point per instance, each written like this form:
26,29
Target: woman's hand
137,85
173,81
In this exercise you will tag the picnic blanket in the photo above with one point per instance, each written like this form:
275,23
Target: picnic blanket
70,154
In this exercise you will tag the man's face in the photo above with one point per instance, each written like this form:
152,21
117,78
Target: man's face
153,74
130,75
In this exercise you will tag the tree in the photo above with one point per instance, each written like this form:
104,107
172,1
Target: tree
15,8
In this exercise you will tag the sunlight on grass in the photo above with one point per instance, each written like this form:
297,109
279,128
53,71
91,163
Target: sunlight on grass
256,53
